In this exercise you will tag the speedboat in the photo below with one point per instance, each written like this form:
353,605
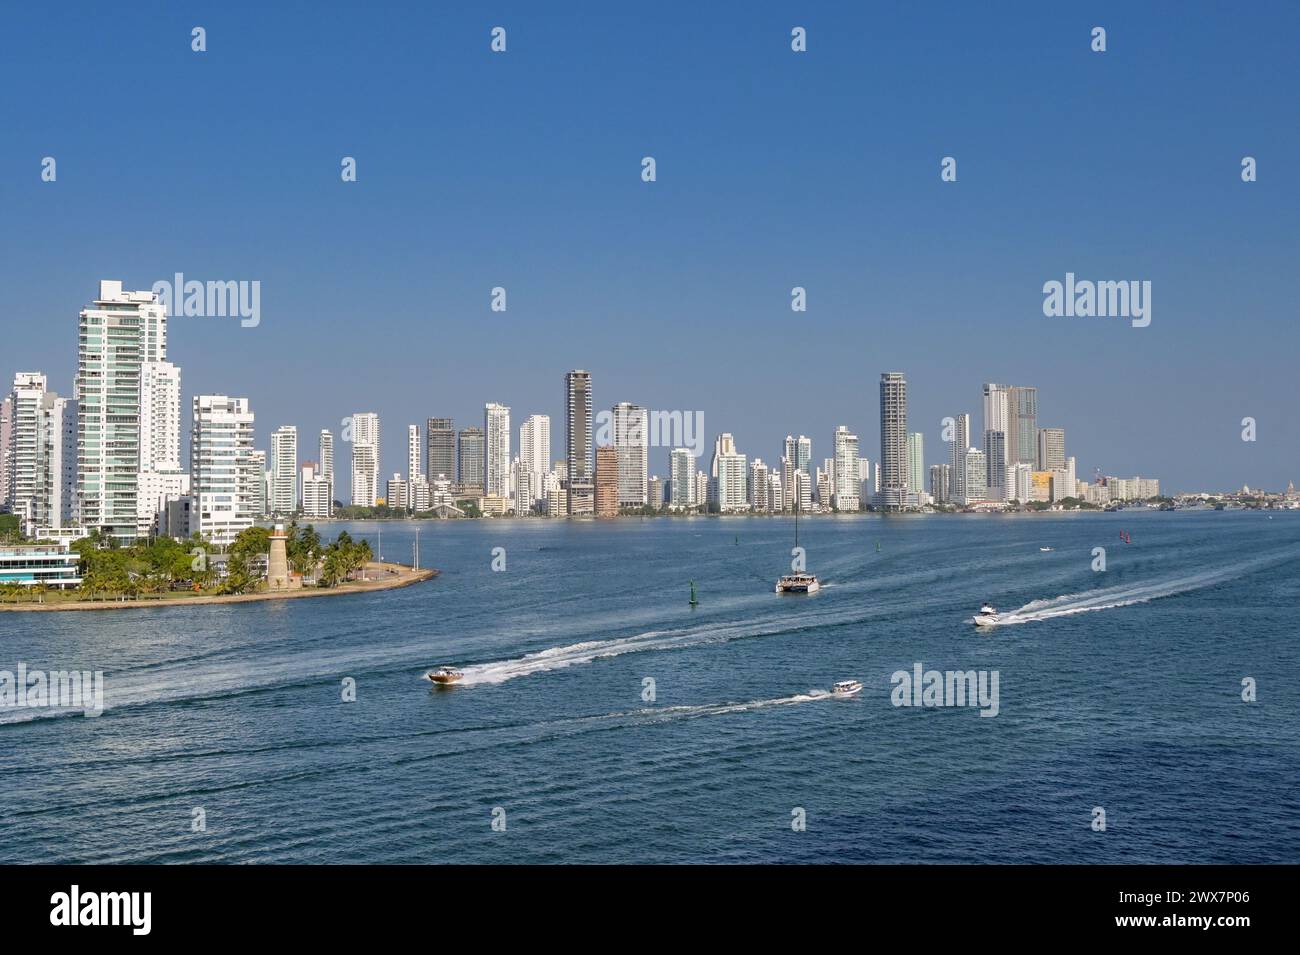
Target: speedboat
443,676
798,584
846,687
987,617
1044,549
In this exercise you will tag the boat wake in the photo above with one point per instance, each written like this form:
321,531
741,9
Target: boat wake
1126,595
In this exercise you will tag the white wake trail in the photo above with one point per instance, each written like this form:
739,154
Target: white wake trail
1128,594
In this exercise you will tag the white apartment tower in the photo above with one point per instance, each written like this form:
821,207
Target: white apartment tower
682,475
118,334
496,435
224,470
365,459
535,452
631,434
284,470
845,495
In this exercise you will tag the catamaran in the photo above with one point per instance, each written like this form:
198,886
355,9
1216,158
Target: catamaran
798,583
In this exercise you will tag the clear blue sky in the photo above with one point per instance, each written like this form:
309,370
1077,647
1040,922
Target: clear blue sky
775,169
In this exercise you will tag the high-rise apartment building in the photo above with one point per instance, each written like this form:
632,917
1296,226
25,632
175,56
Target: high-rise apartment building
225,471
440,448
496,431
732,474
284,470
631,440
916,464
472,462
845,496
976,465
535,452
414,457
1022,424
365,459
317,492
606,490
995,463
682,478
117,334
578,450
160,416
1051,449
957,457
894,465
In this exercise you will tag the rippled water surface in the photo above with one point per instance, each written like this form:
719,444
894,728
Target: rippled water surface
1119,689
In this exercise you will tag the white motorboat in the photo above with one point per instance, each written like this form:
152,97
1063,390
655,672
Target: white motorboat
846,688
444,676
1044,549
988,616
798,584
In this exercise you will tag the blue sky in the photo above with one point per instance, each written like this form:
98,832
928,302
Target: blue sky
775,169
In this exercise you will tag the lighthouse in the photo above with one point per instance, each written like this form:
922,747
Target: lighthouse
277,565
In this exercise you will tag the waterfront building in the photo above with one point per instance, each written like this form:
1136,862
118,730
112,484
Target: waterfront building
160,416
284,470
6,433
775,493
975,489
397,493
118,333
995,457
1022,424
847,491
758,472
440,447
1040,488
325,454
578,449
317,492
472,462
894,465
52,564
957,456
535,451
940,483
916,464
496,431
1051,449
606,484
156,492
224,470
414,456
631,437
365,459
732,473
682,478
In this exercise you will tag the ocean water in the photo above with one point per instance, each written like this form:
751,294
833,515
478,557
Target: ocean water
1120,690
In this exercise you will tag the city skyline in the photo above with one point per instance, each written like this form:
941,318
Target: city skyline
662,287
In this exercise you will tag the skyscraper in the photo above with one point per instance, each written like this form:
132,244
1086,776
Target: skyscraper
957,457
976,472
995,463
414,459
916,464
893,441
1022,439
440,448
325,450
224,469
284,470
25,449
631,432
577,442
118,333
365,459
682,478
535,451
160,416
847,486
6,433
606,491
1051,449
471,464
732,474
496,430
